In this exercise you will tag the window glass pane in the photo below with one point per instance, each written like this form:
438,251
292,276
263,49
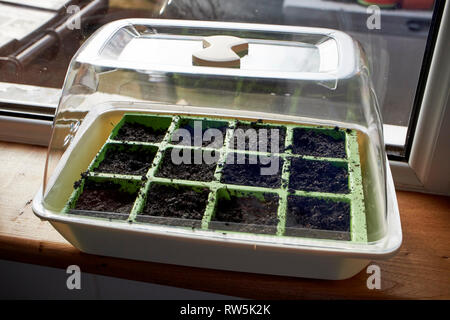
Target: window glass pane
38,38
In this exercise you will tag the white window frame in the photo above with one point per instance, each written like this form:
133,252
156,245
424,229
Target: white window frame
428,167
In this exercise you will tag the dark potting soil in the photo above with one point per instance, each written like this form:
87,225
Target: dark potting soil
127,159
254,215
322,176
319,214
132,131
250,174
189,126
189,170
181,202
105,196
313,143
259,139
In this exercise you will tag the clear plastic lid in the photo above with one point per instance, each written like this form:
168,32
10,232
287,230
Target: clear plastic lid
307,88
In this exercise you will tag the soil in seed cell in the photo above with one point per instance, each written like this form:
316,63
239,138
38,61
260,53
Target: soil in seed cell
127,159
318,214
211,143
329,143
188,170
248,214
266,172
105,196
132,131
175,202
321,176
256,138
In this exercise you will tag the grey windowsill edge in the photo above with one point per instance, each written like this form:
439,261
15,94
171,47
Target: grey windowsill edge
27,131
17,101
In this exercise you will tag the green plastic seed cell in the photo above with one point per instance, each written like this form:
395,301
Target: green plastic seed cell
314,191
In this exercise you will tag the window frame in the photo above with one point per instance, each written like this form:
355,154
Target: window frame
427,167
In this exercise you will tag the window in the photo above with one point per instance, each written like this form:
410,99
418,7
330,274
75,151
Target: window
38,39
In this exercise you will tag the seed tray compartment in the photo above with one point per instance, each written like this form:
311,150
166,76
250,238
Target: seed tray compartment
245,211
192,166
124,159
250,144
278,183
148,129
189,124
104,197
319,142
172,204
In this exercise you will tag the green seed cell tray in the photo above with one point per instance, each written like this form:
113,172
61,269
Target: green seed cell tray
290,197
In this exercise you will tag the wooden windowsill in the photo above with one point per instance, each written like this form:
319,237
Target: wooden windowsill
420,270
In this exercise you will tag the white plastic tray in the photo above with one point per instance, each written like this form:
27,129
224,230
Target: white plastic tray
303,258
